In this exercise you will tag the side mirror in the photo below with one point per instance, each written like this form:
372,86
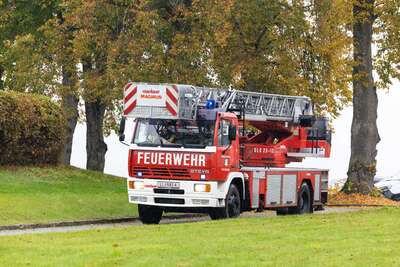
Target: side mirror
232,132
122,130
307,120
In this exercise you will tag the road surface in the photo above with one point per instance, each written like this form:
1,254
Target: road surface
251,214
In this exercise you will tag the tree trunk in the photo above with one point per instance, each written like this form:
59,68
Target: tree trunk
1,78
364,130
70,99
96,148
69,104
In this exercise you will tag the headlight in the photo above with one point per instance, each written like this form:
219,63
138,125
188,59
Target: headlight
202,188
136,185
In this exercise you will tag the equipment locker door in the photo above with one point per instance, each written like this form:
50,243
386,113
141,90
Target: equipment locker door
281,189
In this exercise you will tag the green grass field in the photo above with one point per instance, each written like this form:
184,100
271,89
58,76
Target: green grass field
364,238
49,194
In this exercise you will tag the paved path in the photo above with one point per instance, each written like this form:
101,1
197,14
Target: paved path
164,221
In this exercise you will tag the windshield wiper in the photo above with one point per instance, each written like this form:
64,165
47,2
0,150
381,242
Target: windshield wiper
194,146
147,144
171,145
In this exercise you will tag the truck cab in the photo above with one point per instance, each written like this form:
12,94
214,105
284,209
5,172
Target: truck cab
183,165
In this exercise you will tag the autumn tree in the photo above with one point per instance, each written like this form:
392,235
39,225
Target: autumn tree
373,22
387,41
18,18
296,47
153,41
181,31
76,54
274,46
97,27
37,57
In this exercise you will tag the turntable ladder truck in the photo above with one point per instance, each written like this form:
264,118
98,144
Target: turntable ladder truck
221,151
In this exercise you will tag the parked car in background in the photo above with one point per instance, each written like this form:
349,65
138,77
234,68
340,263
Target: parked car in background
390,186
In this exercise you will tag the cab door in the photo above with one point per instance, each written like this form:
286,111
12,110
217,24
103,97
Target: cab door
227,147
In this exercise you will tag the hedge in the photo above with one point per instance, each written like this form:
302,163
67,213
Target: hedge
32,129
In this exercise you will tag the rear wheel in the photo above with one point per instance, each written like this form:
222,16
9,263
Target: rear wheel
304,201
232,205
150,214
282,211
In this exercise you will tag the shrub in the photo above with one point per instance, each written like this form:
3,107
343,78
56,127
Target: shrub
32,129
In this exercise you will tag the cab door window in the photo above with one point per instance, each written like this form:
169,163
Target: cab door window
223,133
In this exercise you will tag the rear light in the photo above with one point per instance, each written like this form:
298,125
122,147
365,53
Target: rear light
135,185
202,188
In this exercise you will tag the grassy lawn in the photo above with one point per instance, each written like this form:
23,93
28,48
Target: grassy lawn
365,238
48,194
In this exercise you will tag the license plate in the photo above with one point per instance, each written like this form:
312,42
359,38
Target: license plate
168,184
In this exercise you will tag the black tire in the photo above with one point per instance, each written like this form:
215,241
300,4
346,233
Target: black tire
217,213
150,214
282,212
304,201
232,205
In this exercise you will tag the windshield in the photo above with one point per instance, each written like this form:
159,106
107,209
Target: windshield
174,133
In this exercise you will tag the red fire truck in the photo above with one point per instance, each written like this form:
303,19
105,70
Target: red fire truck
221,151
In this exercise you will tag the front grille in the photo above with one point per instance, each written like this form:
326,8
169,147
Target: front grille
169,191
162,200
162,173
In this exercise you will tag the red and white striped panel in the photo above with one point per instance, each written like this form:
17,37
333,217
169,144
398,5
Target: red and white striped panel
171,101
130,98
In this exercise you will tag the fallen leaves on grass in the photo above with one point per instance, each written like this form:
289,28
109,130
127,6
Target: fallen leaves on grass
336,197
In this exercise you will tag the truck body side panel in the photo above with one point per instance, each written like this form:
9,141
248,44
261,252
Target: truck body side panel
276,188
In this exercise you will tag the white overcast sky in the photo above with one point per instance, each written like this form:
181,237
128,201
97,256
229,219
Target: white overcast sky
388,148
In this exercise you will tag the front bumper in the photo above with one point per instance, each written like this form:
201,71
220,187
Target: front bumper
188,199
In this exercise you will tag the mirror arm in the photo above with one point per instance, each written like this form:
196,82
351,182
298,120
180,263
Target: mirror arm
227,148
121,135
122,142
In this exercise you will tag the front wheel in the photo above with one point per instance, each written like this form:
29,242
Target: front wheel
232,205
150,214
